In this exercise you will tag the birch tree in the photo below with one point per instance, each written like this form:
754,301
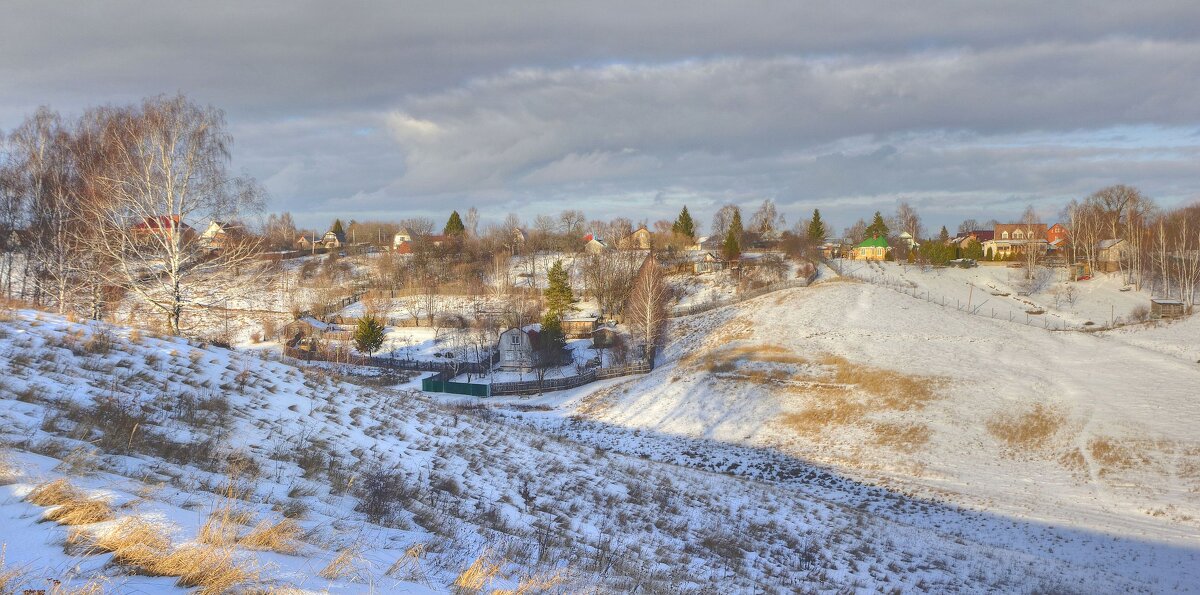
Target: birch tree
646,311
165,164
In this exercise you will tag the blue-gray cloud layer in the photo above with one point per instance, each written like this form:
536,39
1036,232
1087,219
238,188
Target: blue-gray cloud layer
359,109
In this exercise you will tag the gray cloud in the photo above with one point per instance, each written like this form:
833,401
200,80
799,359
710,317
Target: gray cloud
361,108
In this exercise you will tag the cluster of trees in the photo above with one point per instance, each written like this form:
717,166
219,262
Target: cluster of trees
1159,248
97,207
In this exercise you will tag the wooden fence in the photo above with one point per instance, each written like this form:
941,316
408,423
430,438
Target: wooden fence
534,387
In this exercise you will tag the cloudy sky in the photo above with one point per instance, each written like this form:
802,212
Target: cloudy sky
394,109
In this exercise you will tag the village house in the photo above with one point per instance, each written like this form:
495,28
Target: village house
402,237
594,245
875,248
163,225
710,263
962,240
518,349
638,240
909,240
1110,254
333,239
1011,239
605,338
1056,234
218,234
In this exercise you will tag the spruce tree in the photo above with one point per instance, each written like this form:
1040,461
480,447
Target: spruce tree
454,226
877,228
337,227
551,338
974,250
945,235
732,248
735,226
558,290
816,228
368,335
684,226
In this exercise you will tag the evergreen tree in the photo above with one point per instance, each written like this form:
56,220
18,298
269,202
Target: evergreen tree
877,228
735,227
732,248
551,338
454,226
945,235
558,291
684,226
368,335
974,250
816,229
337,227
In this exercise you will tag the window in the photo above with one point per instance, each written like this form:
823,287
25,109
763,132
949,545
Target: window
515,340
1004,235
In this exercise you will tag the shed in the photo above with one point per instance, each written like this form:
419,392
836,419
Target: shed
579,327
1164,308
708,264
605,337
518,349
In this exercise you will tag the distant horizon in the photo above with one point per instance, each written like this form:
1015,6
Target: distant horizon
381,111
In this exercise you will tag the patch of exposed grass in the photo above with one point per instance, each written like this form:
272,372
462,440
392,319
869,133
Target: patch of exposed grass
479,574
278,537
213,570
133,542
341,565
70,506
1112,455
907,437
1029,430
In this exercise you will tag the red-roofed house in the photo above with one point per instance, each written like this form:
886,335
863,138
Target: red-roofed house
165,225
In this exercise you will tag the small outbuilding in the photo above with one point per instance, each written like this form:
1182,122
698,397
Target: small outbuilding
710,263
1164,308
579,327
518,349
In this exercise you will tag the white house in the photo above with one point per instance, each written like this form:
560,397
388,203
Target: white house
402,237
518,349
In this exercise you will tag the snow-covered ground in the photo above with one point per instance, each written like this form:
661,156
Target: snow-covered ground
151,423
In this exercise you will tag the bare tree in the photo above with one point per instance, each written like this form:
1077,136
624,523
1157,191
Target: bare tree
766,221
908,220
471,221
572,222
165,165
607,279
722,219
967,226
856,233
646,311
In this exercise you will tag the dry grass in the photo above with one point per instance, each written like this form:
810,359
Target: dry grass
70,505
9,577
278,537
8,470
1030,430
479,574
341,565
907,437
213,570
843,393
220,529
1112,455
408,567
133,542
536,583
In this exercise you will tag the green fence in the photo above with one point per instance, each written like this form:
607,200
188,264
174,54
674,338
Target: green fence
438,384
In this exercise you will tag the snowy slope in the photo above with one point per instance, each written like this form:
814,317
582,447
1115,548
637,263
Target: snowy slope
152,424
1092,432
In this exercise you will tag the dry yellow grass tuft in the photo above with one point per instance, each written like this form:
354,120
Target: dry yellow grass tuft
278,537
536,583
479,574
70,505
214,570
341,565
133,542
1030,430
220,529
408,567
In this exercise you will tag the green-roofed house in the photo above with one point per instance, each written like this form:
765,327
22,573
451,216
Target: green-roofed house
875,248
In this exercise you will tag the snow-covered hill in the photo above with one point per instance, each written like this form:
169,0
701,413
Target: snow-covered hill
282,477
1092,433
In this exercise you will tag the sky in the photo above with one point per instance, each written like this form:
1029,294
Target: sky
386,110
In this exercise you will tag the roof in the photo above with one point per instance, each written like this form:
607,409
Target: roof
1166,302
341,237
1109,243
162,222
580,318
983,235
875,242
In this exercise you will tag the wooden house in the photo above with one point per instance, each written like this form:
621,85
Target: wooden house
579,327
163,225
1110,254
333,239
605,338
1164,308
708,264
595,246
638,240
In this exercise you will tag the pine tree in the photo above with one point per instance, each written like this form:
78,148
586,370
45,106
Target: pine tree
816,228
551,338
337,227
684,226
735,226
454,226
732,248
877,228
558,290
974,250
368,335
945,235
